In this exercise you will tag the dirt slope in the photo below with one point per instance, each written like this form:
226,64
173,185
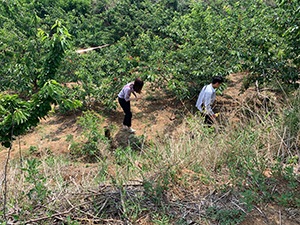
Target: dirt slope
153,116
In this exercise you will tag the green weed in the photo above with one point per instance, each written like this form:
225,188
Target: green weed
32,149
121,155
161,219
93,134
56,139
39,192
136,142
225,217
69,138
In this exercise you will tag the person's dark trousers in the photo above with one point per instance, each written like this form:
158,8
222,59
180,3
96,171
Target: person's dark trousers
126,108
207,120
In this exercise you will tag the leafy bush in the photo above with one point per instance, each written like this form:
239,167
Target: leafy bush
39,192
93,134
229,216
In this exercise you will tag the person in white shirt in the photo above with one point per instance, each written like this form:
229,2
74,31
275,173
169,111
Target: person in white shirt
124,100
207,97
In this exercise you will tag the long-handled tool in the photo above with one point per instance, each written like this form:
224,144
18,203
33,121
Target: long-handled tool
90,49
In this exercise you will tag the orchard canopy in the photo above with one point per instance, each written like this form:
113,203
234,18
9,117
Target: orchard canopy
174,45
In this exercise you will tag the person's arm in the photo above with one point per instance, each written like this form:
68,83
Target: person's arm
127,95
136,98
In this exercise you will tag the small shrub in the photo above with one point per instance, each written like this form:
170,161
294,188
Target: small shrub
230,216
136,142
39,192
69,138
32,149
93,133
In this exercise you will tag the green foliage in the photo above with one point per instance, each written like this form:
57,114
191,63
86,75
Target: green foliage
58,44
287,21
174,45
229,216
121,156
18,115
39,192
14,113
32,149
20,54
30,56
43,6
273,54
93,133
247,169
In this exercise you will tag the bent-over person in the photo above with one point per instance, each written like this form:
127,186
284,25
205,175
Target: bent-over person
124,101
206,99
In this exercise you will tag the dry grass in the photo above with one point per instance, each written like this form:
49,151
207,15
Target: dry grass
175,178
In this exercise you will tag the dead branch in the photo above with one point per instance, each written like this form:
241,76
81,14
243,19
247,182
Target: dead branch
56,214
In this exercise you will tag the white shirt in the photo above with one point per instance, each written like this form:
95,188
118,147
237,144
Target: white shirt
206,98
126,91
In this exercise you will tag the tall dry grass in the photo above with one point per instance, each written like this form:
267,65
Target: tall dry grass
151,175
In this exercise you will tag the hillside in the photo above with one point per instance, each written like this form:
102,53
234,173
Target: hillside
154,116
191,195
78,167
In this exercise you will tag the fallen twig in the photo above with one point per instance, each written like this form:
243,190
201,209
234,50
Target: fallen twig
239,207
56,214
279,217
